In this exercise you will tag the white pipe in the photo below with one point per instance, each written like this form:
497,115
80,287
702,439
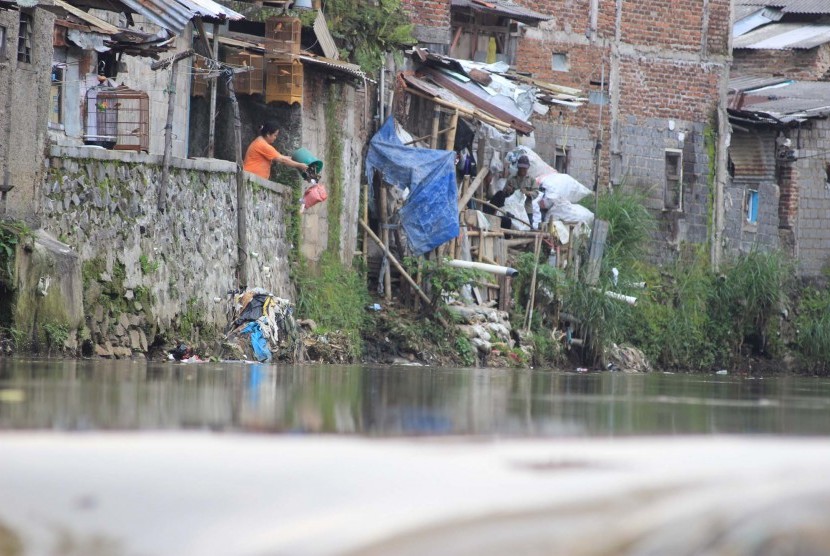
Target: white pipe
627,298
492,268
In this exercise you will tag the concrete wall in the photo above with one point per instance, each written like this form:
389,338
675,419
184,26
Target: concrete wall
103,204
812,233
24,113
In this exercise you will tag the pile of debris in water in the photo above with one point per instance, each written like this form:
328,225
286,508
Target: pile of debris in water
263,328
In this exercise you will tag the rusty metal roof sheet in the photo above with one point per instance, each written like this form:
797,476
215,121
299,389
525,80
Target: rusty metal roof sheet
503,8
786,102
784,36
749,82
791,6
337,65
174,15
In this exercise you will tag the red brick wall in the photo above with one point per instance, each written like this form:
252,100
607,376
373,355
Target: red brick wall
810,64
788,202
429,13
675,24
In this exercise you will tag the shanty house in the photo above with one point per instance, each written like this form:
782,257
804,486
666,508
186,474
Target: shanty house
779,191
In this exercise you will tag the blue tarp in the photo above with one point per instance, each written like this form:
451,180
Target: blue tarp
430,214
258,341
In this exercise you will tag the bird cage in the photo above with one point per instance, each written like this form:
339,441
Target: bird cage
249,82
199,87
284,82
117,118
283,34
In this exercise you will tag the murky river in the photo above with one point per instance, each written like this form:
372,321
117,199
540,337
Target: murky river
102,458
401,401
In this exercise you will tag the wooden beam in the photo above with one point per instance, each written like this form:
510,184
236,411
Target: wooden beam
467,195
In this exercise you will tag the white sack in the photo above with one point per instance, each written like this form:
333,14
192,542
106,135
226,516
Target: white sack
515,205
570,213
562,186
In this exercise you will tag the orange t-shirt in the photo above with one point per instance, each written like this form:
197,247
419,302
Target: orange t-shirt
259,156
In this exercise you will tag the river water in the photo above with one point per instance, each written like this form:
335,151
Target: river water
87,395
107,458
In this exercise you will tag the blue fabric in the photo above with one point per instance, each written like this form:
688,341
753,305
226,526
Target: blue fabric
258,341
430,214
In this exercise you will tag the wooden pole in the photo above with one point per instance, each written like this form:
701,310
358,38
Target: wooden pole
478,115
436,121
161,202
384,233
214,85
400,268
241,196
366,218
452,130
468,194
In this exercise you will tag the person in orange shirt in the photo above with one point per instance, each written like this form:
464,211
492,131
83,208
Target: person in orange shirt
261,153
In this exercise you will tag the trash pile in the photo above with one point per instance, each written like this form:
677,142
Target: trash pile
262,328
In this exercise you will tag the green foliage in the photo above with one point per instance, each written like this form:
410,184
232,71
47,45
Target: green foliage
813,325
56,335
744,298
441,278
147,266
465,350
630,226
334,161
601,319
11,234
367,30
550,286
334,296
547,352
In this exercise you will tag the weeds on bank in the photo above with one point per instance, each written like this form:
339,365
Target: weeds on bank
335,297
813,330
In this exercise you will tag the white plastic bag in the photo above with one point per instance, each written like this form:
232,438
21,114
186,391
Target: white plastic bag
515,205
562,186
496,166
538,167
570,213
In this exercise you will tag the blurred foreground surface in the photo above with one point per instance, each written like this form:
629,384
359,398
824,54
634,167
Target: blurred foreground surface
124,458
208,494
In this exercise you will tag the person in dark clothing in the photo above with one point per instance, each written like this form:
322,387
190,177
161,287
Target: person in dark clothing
497,200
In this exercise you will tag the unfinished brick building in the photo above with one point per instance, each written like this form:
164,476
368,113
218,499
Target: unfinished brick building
655,71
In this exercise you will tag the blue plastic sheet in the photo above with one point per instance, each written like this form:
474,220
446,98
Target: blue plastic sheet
430,214
258,341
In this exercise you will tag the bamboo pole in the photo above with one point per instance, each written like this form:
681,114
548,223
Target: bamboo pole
400,268
365,210
468,194
450,146
384,233
436,122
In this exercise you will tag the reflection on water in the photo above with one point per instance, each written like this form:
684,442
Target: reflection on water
119,395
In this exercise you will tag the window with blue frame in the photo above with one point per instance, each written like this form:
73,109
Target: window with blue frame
751,205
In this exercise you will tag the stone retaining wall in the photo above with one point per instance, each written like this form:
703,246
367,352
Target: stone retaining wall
148,272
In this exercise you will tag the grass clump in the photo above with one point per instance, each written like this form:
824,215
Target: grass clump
335,297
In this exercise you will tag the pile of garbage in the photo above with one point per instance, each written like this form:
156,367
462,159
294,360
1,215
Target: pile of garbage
262,327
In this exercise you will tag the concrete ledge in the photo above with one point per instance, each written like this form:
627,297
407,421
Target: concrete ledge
131,157
267,184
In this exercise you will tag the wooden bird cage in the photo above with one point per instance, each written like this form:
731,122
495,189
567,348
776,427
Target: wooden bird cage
248,82
284,82
117,118
282,34
199,86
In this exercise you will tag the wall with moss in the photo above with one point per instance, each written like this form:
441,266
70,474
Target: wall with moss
147,272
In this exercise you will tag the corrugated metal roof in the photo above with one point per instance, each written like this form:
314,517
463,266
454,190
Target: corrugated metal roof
750,82
86,17
174,15
321,31
338,65
784,36
502,8
754,18
794,101
791,6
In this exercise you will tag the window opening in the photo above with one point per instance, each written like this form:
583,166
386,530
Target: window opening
673,192
560,160
559,62
24,39
751,206
2,43
56,96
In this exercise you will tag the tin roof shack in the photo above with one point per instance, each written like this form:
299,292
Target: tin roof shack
780,169
789,38
655,73
293,76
